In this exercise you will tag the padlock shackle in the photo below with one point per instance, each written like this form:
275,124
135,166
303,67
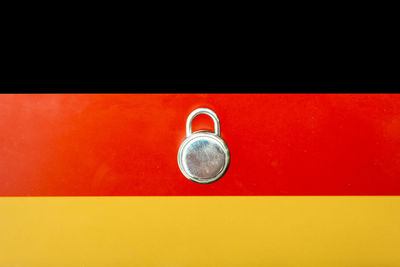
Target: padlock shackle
199,111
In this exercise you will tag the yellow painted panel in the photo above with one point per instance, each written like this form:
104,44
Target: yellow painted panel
200,231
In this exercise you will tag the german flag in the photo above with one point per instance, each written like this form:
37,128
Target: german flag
93,180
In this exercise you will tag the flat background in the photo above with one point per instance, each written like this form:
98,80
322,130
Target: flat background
121,151
199,231
126,145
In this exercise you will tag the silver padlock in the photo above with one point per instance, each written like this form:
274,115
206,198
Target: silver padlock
203,157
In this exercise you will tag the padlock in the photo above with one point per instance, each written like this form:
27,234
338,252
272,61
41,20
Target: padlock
203,157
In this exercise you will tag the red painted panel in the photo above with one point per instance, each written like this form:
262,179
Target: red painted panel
281,144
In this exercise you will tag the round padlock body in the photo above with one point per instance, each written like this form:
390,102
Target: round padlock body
203,157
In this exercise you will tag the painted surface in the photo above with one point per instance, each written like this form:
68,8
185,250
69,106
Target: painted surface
116,148
199,231
114,145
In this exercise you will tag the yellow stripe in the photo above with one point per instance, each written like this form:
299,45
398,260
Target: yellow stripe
200,231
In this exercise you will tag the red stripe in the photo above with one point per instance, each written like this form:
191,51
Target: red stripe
71,145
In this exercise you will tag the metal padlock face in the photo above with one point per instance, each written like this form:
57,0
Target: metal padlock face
203,157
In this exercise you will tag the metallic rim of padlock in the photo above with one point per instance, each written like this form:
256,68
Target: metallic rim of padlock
212,136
